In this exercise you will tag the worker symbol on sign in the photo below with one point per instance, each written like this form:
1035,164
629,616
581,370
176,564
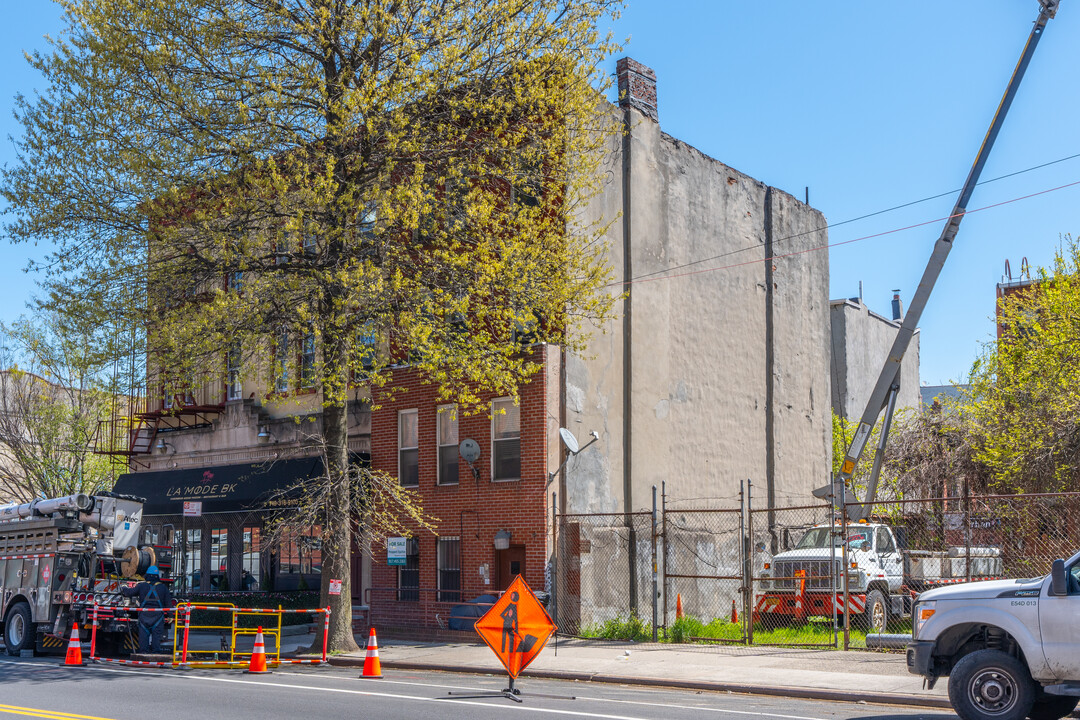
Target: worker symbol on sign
510,624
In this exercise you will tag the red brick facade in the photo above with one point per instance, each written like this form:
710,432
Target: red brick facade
473,510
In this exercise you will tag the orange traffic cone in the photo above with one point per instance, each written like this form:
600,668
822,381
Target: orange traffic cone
258,655
74,648
734,613
372,668
678,606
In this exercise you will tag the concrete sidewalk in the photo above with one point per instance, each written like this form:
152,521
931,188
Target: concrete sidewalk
819,674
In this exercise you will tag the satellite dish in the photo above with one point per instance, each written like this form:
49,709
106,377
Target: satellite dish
569,440
469,450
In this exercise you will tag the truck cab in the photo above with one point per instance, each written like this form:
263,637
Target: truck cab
1011,648
809,579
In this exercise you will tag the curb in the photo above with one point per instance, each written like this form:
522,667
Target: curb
881,698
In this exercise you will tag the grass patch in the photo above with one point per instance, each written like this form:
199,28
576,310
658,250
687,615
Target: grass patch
689,629
620,628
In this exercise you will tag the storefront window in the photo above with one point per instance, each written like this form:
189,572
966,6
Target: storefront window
301,552
250,559
193,559
219,559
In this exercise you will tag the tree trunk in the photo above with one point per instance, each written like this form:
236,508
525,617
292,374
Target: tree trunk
337,533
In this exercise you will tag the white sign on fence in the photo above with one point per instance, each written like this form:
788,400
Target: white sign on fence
193,508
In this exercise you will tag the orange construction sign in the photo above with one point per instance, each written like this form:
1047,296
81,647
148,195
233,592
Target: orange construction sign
516,628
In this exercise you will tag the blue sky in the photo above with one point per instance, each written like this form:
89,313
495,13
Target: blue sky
870,105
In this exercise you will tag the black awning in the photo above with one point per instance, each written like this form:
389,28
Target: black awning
225,488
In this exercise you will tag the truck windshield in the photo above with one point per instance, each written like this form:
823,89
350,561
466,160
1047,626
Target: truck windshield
819,538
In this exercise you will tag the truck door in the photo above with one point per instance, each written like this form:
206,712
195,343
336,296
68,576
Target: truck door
1060,630
889,559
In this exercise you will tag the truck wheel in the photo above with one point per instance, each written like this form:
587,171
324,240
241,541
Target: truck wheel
991,685
18,629
1053,707
876,616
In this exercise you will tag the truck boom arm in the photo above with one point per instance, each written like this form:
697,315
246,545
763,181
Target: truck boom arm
888,382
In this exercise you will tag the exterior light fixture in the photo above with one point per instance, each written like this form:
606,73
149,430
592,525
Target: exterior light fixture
264,435
502,540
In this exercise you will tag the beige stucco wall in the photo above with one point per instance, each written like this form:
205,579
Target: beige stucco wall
861,340
699,364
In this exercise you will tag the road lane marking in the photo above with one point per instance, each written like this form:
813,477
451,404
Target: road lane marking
707,708
55,714
445,699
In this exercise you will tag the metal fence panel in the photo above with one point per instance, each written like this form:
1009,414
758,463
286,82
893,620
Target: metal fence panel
703,570
605,566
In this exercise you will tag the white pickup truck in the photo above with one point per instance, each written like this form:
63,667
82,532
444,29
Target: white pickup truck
1011,648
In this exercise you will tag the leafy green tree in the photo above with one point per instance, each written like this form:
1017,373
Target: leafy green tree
53,395
287,179
1027,384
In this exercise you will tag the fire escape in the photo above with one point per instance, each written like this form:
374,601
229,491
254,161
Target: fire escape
136,421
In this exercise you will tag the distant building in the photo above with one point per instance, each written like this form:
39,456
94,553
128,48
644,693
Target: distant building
1009,287
861,340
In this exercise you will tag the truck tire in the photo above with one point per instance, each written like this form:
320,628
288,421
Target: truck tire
875,617
1053,707
991,685
19,632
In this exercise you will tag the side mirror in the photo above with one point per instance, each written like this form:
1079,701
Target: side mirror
1058,581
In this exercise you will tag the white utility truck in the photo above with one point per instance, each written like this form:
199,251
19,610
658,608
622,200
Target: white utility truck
883,575
61,556
1011,648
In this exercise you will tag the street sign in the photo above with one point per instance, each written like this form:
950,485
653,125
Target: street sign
516,627
193,508
335,587
395,550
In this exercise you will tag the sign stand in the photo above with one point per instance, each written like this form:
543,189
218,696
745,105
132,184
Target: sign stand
516,628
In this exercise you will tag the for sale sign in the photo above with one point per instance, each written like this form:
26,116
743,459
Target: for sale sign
395,550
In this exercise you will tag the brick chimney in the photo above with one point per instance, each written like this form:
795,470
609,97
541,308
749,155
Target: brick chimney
637,87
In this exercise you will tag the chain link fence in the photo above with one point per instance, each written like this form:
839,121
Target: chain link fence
804,576
604,576
704,573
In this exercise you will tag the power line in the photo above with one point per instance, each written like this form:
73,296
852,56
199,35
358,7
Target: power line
846,222
648,278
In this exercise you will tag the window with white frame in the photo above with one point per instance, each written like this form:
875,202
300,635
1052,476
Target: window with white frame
505,440
235,389
367,341
367,221
449,569
236,281
408,448
307,361
281,361
308,239
447,428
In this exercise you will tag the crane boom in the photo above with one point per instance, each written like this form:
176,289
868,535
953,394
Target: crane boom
888,382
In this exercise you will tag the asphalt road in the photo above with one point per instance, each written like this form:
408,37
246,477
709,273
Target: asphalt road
43,688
